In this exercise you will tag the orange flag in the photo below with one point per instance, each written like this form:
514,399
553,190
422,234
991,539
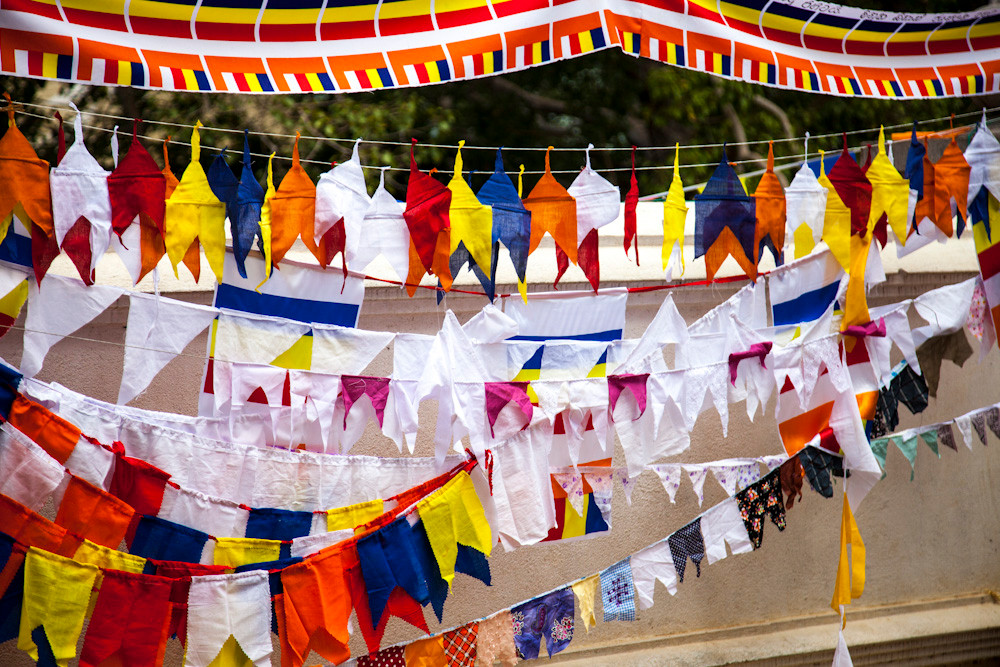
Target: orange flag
553,210
24,189
770,198
293,208
951,181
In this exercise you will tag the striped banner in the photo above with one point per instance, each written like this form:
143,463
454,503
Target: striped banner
316,46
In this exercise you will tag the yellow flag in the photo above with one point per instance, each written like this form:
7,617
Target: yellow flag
856,299
890,192
194,212
674,215
451,516
836,221
851,569
265,221
585,592
471,221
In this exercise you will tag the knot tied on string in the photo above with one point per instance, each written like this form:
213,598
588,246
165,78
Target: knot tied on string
759,350
874,329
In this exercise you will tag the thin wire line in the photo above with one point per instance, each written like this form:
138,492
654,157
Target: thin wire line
518,148
784,159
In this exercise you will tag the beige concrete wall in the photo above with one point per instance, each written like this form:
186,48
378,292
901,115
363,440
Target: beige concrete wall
933,541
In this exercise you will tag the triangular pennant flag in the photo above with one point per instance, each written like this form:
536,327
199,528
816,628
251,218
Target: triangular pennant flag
80,186
597,204
697,474
674,216
771,209
908,446
725,221
585,592
631,204
841,656
890,192
836,220
572,484
265,221
511,220
24,190
931,440
194,213
342,195
244,210
553,210
983,156
946,436
850,582
915,164
978,420
805,209
471,221
384,232
158,330
951,183
345,350
56,310
426,215
853,188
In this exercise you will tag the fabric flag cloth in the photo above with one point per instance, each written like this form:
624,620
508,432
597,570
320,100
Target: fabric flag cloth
618,592
629,213
228,605
511,220
687,542
426,215
130,620
195,214
983,157
597,204
721,525
292,209
805,208
342,198
265,221
243,198
649,565
806,290
471,221
24,190
384,232
951,183
55,310
157,331
455,515
332,299
836,219
460,645
551,615
553,210
850,582
760,499
988,253
771,213
585,592
56,598
674,218
495,640
890,193
81,205
854,190
725,222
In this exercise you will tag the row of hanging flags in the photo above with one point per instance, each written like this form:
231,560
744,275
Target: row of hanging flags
389,555
319,47
534,377
144,213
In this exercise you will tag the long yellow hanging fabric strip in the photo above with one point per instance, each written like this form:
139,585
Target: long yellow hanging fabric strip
851,568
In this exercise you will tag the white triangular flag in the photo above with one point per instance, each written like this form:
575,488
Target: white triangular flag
341,193
841,656
157,331
56,309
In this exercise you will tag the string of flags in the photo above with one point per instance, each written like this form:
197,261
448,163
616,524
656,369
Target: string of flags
146,213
